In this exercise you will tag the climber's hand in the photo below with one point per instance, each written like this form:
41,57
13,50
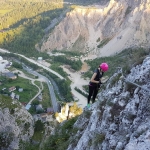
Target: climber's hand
100,82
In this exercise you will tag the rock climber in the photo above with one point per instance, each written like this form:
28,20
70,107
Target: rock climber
95,82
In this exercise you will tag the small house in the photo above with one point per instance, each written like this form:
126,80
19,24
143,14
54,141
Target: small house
40,58
12,95
7,65
43,117
13,88
39,107
17,97
1,58
20,89
50,110
24,104
28,106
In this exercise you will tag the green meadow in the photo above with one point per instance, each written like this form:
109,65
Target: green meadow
29,90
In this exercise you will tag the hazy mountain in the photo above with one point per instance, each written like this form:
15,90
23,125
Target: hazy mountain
103,29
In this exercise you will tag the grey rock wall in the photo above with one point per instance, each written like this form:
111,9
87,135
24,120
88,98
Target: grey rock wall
120,119
15,126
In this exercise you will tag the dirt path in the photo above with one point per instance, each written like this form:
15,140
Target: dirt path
21,74
78,81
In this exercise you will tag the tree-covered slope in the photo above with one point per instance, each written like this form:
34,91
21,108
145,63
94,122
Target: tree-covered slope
23,22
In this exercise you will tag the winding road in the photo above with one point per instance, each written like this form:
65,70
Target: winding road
35,62
52,94
76,79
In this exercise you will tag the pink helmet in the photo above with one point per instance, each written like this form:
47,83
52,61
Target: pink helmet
104,67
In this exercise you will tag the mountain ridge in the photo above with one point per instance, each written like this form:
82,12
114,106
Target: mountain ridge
121,24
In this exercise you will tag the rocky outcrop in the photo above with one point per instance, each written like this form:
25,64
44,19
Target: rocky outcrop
16,124
120,118
103,29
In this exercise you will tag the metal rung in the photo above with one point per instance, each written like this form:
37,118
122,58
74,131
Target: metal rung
138,86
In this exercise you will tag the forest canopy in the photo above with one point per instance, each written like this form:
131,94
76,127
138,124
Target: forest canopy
24,22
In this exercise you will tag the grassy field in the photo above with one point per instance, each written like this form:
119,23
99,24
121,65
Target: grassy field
29,90
6,102
46,102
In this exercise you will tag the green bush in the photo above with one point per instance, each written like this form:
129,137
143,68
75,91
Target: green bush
87,114
115,79
5,139
103,42
76,65
81,92
28,146
39,126
98,40
26,126
60,140
99,138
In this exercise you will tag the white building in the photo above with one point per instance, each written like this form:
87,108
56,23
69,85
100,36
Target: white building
40,58
1,58
3,64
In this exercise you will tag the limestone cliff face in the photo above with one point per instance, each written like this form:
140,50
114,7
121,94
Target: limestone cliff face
112,27
120,119
16,124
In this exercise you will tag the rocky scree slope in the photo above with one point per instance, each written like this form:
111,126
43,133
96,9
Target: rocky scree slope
120,119
103,29
16,124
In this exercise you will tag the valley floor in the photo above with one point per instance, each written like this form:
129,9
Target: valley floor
78,81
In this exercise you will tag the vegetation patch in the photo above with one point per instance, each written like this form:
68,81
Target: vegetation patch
38,131
81,92
98,40
27,23
68,53
60,140
115,110
7,102
5,139
46,102
79,44
87,114
75,64
99,138
56,67
29,90
115,79
28,146
119,60
130,87
128,10
103,42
